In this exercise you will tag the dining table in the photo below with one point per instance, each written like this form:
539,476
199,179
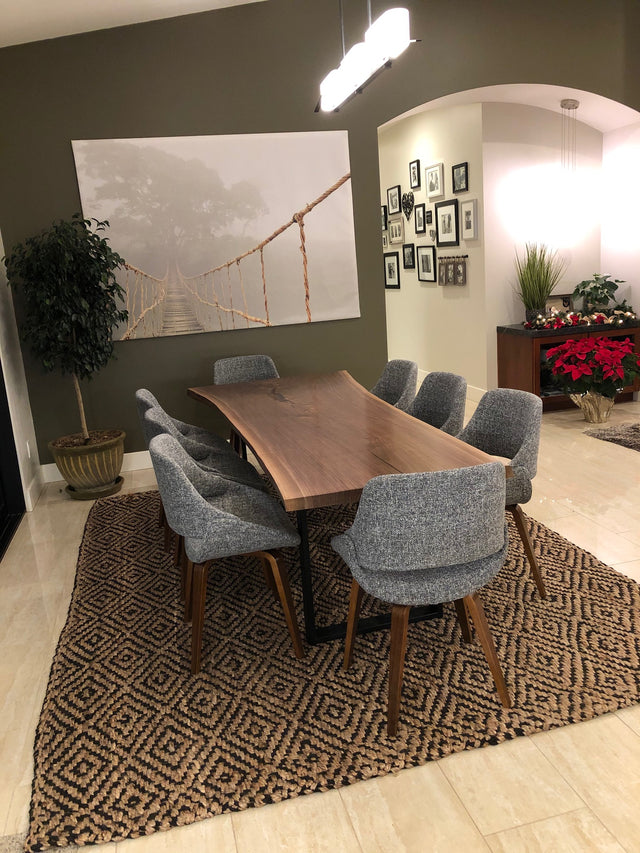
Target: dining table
320,438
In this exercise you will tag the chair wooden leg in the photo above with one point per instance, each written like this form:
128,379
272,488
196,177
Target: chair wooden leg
199,593
518,515
279,573
399,626
187,575
268,576
476,611
177,548
355,601
168,533
463,619
162,518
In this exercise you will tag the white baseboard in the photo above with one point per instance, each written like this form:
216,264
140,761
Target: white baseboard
132,462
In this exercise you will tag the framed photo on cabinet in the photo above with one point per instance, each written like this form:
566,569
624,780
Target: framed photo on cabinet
434,180
419,220
447,233
392,270
426,263
393,199
469,219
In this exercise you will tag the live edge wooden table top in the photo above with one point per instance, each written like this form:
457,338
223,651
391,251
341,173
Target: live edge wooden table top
322,437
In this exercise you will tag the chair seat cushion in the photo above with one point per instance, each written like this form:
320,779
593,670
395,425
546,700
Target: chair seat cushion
421,586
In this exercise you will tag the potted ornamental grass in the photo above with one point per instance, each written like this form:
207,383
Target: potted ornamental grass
537,274
592,370
71,304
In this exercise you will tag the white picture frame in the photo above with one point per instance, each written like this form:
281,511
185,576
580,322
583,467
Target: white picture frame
396,230
469,219
434,180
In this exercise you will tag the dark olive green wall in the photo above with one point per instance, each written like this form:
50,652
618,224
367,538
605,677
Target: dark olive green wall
256,68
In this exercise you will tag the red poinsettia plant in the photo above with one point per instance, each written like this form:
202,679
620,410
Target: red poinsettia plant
599,364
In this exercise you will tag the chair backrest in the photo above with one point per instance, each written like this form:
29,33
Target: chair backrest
397,383
507,423
157,422
244,368
440,401
430,520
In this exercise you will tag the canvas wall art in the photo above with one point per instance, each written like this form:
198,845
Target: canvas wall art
226,232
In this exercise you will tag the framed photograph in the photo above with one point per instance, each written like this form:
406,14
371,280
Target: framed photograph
447,233
396,230
384,217
385,240
408,256
560,301
460,177
428,217
426,260
434,180
392,270
419,222
414,174
469,219
393,199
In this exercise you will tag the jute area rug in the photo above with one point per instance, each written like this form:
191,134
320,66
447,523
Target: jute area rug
628,435
129,742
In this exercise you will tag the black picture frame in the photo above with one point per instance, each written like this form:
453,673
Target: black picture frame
428,217
460,177
426,263
384,217
447,224
392,270
408,256
414,174
419,220
394,196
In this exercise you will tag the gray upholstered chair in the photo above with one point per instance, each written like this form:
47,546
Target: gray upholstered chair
506,423
397,383
243,368
426,539
145,400
218,518
440,401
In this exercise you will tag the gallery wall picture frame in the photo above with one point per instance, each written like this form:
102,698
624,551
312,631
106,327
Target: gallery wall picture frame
428,217
394,196
396,230
408,256
384,217
426,263
392,270
418,219
469,219
434,180
460,177
414,174
447,226
385,240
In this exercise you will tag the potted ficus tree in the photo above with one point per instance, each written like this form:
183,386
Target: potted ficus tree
71,304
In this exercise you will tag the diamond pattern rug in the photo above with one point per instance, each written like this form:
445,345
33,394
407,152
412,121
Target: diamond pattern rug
628,435
130,743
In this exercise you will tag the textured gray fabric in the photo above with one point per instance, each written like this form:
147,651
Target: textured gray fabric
440,401
145,400
225,461
244,368
397,384
217,517
430,537
507,423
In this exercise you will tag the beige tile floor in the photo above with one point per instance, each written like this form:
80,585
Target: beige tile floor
573,789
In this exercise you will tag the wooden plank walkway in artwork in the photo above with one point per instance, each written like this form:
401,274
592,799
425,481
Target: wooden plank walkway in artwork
178,315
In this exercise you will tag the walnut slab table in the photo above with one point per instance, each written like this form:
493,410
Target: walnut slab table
320,438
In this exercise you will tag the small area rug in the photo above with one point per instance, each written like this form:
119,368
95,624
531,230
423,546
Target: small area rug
628,435
130,743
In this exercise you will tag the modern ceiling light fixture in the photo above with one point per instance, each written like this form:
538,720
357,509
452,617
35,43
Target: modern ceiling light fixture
387,37
569,108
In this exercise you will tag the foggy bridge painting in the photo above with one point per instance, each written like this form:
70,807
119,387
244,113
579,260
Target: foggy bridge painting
225,232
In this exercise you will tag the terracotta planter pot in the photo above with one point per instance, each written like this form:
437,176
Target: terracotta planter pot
596,408
91,470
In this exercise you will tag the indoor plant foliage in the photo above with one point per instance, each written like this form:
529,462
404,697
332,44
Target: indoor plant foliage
593,370
537,273
71,303
598,292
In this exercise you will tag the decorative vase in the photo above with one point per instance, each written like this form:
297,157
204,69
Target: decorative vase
596,408
532,314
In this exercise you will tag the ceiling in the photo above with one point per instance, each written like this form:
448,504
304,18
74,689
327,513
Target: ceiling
33,20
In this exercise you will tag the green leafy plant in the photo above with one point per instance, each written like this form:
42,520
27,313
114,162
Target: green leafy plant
598,291
537,272
70,296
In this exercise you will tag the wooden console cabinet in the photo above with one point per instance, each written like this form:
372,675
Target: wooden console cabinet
522,362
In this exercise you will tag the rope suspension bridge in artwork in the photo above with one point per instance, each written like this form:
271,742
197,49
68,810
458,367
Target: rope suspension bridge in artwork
178,304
